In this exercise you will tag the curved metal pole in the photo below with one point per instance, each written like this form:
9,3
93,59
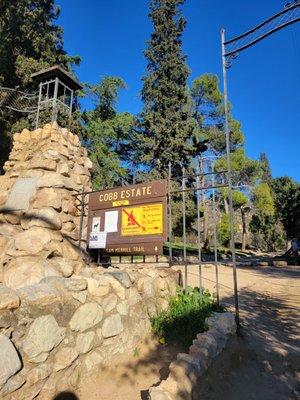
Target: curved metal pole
289,15
229,175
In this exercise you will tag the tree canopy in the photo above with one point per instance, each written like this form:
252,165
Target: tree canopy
166,125
30,41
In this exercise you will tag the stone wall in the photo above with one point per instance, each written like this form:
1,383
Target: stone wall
185,372
60,318
61,329
39,214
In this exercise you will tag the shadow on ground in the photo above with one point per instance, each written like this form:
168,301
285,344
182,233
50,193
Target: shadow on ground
66,396
262,364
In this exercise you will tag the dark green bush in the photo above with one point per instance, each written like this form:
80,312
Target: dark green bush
185,316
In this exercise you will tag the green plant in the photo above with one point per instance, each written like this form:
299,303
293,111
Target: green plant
136,352
185,316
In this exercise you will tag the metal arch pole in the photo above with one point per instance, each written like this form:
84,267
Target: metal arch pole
184,228
199,227
215,236
170,214
229,174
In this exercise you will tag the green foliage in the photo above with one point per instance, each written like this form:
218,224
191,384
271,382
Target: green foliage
263,200
266,169
107,134
245,170
166,125
224,230
210,115
267,231
30,41
185,317
286,193
239,199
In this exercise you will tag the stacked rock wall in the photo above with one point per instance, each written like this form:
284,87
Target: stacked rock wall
39,214
188,368
57,331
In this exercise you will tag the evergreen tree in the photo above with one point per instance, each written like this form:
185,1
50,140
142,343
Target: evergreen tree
166,125
268,233
30,41
266,170
286,193
107,134
210,116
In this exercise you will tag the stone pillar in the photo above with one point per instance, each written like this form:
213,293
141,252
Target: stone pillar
39,214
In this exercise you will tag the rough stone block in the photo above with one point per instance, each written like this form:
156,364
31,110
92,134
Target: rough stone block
38,373
122,277
32,241
45,217
223,322
44,334
40,295
64,357
92,360
109,303
23,271
10,361
86,316
112,326
84,342
156,393
8,298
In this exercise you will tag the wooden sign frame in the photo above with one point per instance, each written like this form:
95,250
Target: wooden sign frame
142,206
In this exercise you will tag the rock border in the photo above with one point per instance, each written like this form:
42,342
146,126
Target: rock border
189,367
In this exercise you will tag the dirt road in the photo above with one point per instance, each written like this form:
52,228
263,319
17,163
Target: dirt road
260,365
263,363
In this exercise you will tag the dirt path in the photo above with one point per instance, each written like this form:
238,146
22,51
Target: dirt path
131,376
260,365
263,363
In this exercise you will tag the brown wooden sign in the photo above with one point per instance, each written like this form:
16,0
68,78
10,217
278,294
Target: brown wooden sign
129,220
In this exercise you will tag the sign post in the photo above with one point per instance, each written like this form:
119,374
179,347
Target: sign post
129,220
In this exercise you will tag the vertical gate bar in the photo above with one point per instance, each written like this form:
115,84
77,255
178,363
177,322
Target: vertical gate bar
81,220
199,226
170,214
229,174
70,109
184,228
54,102
39,106
215,233
98,260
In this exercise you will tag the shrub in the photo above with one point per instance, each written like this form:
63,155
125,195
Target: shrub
185,316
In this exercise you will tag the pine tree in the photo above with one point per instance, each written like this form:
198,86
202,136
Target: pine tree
266,170
166,125
107,134
30,41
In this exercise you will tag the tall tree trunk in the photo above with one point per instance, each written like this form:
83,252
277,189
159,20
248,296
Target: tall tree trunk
226,205
244,231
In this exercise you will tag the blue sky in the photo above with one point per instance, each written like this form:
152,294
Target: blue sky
264,82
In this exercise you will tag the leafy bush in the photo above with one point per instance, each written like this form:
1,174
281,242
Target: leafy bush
185,316
224,230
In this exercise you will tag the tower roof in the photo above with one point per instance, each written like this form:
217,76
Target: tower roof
57,72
